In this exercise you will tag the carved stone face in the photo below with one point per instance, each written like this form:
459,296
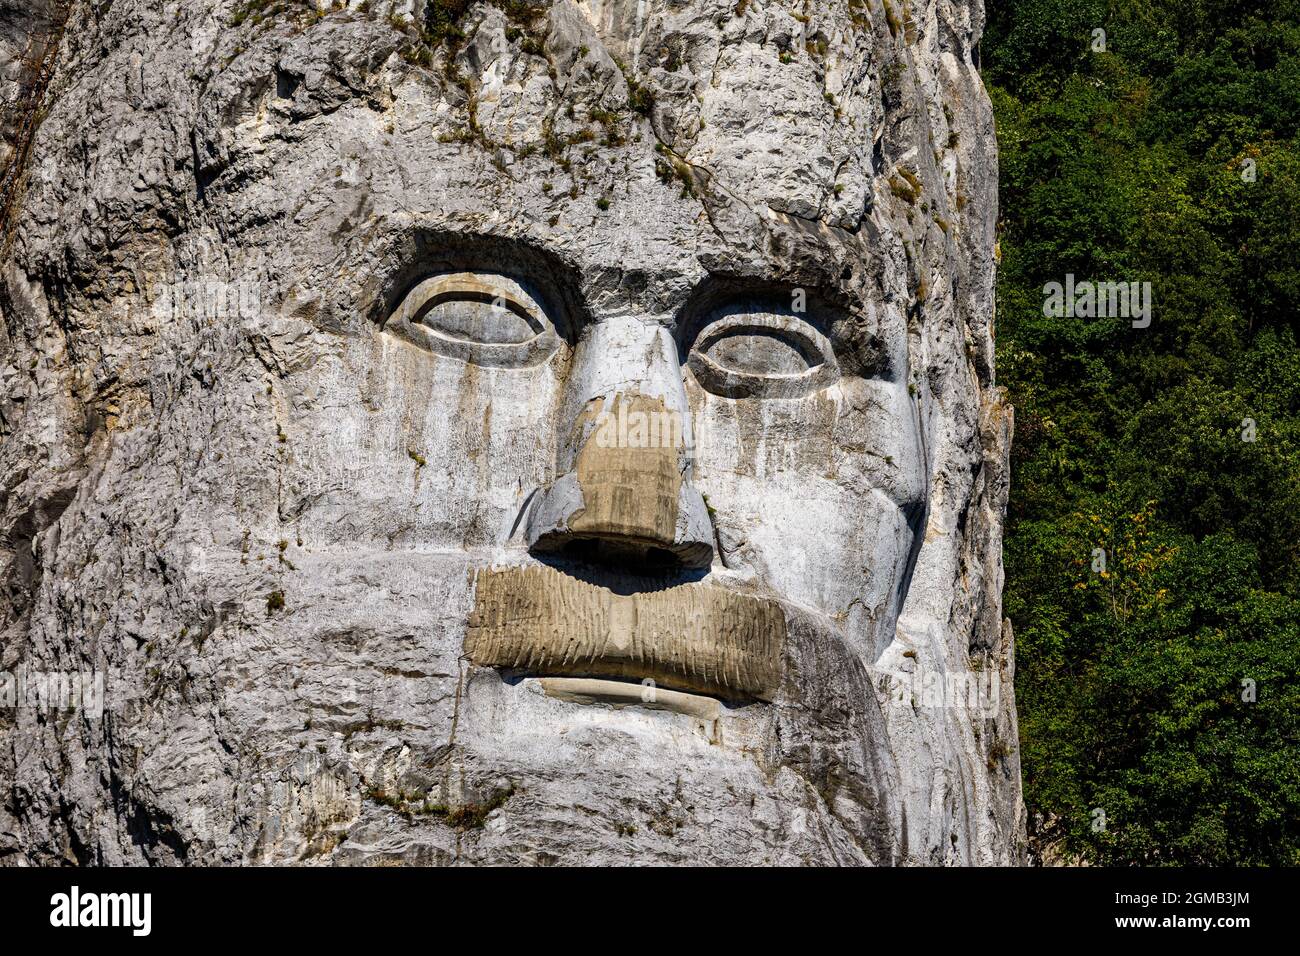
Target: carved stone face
699,437
558,485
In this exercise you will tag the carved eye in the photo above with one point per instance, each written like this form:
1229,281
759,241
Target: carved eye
484,318
761,352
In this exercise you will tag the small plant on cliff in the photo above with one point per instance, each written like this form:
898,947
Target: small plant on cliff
466,816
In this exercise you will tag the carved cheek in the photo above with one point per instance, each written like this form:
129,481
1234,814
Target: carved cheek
815,497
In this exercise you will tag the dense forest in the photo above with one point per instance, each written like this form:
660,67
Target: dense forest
1153,538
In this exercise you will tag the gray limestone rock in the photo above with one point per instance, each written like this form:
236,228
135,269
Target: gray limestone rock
250,485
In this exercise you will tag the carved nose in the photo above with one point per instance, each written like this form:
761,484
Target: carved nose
626,497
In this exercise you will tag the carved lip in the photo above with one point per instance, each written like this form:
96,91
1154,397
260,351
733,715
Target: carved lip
694,637
617,694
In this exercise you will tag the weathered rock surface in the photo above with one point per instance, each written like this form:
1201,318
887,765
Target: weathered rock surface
237,491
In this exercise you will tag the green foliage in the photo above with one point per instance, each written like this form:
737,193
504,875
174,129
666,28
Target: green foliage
274,602
1172,157
442,21
639,98
302,12
442,18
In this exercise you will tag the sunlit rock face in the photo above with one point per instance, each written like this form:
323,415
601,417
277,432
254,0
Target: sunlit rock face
568,437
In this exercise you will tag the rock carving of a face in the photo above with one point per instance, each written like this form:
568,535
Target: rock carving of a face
595,429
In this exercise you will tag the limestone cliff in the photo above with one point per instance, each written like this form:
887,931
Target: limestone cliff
257,499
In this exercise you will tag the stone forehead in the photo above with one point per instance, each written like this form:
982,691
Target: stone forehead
648,145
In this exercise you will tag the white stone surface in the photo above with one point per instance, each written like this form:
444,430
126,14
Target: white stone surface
202,409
